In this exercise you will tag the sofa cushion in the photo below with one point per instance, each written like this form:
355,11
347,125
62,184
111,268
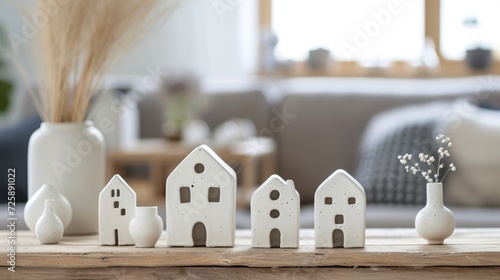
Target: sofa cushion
476,136
332,114
390,134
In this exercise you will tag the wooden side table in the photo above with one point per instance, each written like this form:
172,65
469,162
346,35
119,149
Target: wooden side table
389,253
256,157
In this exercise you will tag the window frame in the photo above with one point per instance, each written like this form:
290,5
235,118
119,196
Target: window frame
400,69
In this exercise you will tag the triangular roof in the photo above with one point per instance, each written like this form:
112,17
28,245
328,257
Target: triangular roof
117,179
341,173
206,150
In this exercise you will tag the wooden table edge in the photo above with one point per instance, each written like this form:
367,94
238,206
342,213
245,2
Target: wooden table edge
467,248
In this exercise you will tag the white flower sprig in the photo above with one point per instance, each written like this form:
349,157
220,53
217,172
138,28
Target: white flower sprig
431,173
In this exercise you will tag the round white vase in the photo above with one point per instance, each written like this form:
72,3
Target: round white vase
49,228
71,157
35,205
146,226
435,222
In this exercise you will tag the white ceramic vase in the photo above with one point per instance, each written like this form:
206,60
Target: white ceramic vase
35,205
435,222
146,226
71,157
49,228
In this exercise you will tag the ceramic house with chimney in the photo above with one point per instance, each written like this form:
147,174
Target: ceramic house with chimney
340,212
117,203
275,211
201,201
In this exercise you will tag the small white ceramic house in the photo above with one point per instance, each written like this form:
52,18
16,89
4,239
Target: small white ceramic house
201,201
275,211
340,212
117,203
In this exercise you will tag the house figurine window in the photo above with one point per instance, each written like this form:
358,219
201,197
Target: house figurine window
328,200
274,213
351,200
274,195
199,168
213,194
185,194
116,204
339,219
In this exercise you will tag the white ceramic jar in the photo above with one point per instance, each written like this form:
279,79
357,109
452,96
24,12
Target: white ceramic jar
49,228
71,157
435,222
146,226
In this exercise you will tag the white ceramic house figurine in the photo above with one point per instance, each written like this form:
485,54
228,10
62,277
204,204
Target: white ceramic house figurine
201,201
340,212
275,210
117,203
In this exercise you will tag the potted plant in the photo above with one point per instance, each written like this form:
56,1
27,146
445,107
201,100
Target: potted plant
435,222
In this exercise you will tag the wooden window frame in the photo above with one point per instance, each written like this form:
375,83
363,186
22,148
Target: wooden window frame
400,69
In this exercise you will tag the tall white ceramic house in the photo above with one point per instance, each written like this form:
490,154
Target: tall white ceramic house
117,203
340,212
275,210
201,201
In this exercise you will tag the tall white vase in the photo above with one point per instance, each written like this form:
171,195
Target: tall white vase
71,157
435,222
146,226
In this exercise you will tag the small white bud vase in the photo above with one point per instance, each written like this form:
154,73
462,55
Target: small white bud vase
435,222
49,228
71,157
33,209
146,226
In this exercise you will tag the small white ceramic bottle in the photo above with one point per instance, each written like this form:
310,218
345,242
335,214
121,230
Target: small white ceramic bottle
146,226
49,228
35,205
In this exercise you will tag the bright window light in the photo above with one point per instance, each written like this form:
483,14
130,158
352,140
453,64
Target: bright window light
457,32
363,30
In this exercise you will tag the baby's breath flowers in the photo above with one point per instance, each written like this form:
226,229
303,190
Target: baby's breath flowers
426,166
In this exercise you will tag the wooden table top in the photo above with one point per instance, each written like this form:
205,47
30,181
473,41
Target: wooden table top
384,248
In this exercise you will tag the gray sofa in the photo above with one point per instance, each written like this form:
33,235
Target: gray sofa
319,123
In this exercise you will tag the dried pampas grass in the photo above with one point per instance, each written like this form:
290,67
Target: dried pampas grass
78,45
